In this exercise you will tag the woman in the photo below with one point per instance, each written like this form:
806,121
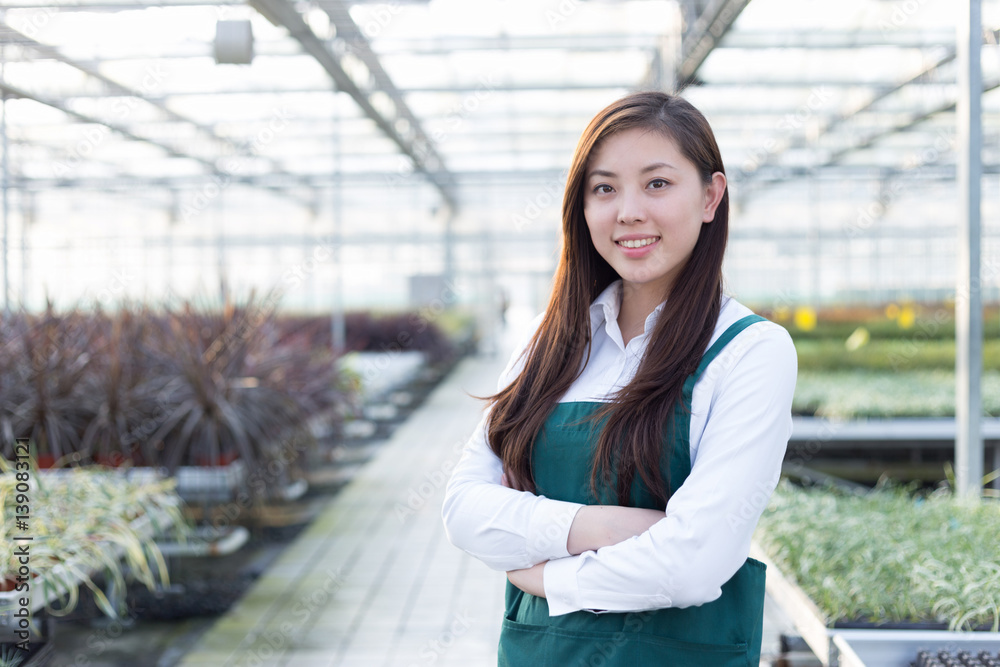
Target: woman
636,437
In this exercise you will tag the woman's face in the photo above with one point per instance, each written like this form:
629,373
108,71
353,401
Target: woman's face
645,203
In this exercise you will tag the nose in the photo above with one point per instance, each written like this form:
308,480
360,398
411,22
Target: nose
630,208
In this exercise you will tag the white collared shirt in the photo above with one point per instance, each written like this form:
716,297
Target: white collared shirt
740,425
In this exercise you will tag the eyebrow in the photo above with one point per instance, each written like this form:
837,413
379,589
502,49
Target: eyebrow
648,168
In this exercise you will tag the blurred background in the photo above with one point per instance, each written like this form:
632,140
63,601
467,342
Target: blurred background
173,147
243,240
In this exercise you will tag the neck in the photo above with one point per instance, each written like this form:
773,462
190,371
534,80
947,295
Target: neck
638,301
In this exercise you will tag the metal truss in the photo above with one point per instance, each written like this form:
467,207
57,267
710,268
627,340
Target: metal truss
776,175
377,96
114,88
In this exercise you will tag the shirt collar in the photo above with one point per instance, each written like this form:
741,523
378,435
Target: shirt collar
604,310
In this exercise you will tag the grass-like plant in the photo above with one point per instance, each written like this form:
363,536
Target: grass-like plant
44,359
859,394
932,321
118,393
11,655
890,555
215,408
889,356
84,522
185,386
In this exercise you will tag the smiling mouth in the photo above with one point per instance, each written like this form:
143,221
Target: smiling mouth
638,243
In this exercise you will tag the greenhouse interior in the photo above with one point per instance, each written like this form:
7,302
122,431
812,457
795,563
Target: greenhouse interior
263,260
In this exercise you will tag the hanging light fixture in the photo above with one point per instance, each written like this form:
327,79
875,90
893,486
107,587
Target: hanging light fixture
233,42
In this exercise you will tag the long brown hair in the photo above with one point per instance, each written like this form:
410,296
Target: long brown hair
631,440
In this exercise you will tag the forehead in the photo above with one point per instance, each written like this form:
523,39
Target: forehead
635,148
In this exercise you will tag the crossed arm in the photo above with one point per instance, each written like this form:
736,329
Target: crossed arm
593,527
627,559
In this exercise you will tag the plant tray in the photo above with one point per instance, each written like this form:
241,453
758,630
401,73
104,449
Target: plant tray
42,595
200,484
382,373
836,647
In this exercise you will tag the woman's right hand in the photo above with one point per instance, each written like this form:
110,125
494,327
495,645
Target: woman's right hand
596,526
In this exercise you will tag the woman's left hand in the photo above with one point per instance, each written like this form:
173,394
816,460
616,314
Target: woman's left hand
529,579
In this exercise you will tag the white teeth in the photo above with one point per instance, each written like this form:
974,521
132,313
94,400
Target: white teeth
638,243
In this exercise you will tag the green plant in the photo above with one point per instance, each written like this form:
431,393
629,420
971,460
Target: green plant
83,522
891,355
858,394
11,655
889,555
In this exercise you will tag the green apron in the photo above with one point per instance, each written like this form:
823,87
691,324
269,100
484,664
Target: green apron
723,633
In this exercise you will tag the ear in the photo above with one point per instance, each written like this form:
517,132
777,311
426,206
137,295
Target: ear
713,195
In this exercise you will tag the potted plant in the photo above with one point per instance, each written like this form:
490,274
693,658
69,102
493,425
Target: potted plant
43,361
846,565
117,392
234,395
83,522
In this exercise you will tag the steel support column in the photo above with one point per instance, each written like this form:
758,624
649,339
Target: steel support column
968,296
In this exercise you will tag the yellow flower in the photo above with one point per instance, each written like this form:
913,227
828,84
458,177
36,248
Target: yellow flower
907,316
805,318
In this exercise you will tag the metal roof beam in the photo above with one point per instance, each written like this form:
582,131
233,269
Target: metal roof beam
395,118
838,39
116,89
704,35
447,45
131,5
530,177
463,88
870,140
803,139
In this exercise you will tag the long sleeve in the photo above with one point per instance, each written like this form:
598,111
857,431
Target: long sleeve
504,528
704,537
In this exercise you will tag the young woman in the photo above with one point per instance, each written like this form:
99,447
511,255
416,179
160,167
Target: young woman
637,435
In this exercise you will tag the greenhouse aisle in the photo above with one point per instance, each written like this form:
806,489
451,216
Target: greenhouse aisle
374,581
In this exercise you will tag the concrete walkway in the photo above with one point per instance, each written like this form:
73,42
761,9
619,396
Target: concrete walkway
373,581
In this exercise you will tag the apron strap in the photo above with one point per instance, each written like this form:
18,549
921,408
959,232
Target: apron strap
734,329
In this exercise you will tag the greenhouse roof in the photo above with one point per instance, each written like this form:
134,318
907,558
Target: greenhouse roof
472,108
109,94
